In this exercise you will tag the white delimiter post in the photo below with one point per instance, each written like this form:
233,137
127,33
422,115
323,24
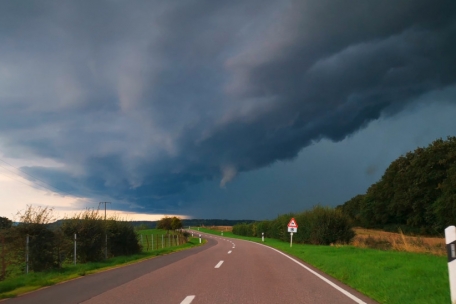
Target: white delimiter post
450,238
75,249
200,238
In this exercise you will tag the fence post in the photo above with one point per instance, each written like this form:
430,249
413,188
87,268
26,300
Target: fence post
106,249
162,241
152,242
27,254
450,239
75,249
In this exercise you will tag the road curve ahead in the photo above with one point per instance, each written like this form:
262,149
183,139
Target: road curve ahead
223,271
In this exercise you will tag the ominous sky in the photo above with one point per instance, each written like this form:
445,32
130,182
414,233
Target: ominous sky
217,109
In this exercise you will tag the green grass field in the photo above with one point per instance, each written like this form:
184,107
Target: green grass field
385,276
17,285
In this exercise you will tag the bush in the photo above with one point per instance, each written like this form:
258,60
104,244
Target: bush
34,222
89,227
319,226
122,238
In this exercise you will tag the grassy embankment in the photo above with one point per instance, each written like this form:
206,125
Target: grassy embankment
386,276
15,286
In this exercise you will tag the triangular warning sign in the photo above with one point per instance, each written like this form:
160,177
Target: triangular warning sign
292,224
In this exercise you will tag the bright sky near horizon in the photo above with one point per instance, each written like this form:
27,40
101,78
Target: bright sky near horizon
234,110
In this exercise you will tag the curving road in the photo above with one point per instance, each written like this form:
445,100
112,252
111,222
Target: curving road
222,271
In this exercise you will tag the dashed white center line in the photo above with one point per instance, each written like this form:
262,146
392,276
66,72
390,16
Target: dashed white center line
229,252
188,300
219,264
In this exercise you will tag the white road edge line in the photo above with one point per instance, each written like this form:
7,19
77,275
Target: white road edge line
219,264
353,297
229,252
188,300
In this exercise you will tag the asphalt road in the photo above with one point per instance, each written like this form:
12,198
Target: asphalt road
222,271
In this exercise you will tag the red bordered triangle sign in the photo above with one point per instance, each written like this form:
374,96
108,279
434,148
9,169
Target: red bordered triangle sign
292,224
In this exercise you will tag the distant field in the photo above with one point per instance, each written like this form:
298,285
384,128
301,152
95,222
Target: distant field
387,276
369,238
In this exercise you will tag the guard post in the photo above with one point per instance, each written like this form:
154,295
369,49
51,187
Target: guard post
450,239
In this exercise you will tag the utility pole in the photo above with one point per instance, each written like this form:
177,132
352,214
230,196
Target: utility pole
106,230
105,203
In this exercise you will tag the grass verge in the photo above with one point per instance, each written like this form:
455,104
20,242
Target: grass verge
385,276
18,285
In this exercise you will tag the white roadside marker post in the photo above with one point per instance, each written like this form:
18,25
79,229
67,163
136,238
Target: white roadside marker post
262,236
200,238
75,249
450,239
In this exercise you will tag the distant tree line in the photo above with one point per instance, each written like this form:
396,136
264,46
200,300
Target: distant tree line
51,245
417,193
319,226
192,222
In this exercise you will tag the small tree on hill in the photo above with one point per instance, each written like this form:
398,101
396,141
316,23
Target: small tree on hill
176,223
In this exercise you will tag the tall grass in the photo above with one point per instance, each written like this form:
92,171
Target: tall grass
377,239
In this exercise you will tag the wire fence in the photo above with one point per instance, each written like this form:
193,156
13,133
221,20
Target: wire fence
151,242
34,253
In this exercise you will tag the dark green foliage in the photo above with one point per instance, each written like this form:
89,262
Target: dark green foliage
319,226
352,209
169,223
122,238
90,229
164,223
34,222
416,193
5,223
176,223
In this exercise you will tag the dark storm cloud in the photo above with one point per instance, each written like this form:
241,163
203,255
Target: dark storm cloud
141,100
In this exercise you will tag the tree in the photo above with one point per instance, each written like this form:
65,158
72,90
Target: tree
164,223
5,223
176,223
415,193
